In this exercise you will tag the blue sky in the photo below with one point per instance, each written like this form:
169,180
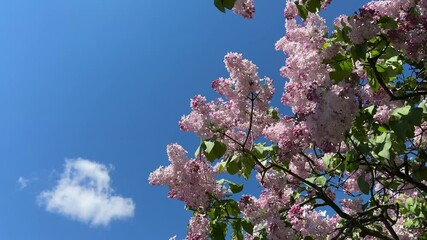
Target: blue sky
107,81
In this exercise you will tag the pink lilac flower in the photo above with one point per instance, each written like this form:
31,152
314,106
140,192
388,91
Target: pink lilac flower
264,213
275,181
246,97
341,21
291,10
248,207
325,4
352,206
198,228
245,8
189,180
383,114
410,35
304,65
420,139
363,27
301,167
351,184
310,222
328,109
389,8
333,115
359,71
291,136
277,230
380,99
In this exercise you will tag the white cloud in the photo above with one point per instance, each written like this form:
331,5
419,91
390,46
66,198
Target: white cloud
23,182
84,193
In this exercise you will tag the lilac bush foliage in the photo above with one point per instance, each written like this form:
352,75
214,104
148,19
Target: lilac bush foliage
355,143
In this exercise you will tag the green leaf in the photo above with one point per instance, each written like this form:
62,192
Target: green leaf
363,185
343,69
219,5
313,5
237,230
351,163
419,173
358,51
233,165
221,181
423,236
391,67
199,149
409,223
370,109
219,231
403,120
216,212
422,105
247,226
416,116
302,11
409,202
365,205
382,129
234,187
248,164
387,23
319,181
399,128
373,83
213,150
341,34
272,149
385,152
209,146
222,166
274,113
220,149
327,160
229,4
232,208
411,82
258,150
381,138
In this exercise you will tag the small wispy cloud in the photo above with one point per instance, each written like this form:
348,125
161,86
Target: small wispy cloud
83,192
23,182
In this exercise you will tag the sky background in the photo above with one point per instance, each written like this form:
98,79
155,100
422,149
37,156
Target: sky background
108,81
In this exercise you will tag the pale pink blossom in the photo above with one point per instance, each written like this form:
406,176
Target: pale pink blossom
198,228
189,180
291,10
311,222
245,97
352,206
245,8
383,114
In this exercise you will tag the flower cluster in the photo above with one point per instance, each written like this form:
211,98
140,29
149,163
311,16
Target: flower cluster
265,213
245,8
246,99
358,129
326,110
189,180
198,228
312,223
410,17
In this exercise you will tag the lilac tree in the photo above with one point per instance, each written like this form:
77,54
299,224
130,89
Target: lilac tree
356,143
